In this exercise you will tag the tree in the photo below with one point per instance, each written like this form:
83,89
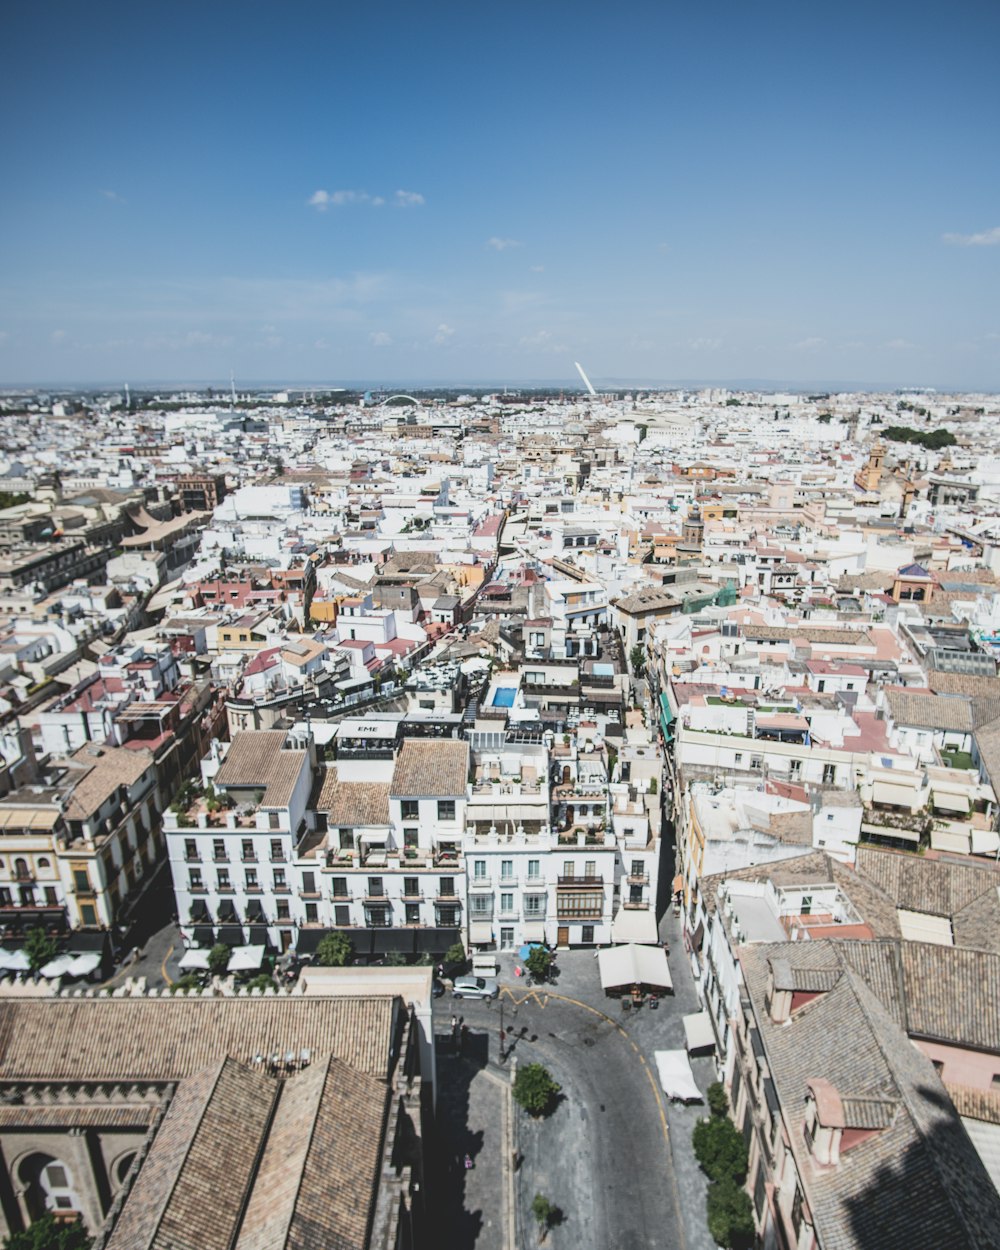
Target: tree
730,1215
218,959
455,954
546,1213
48,1233
39,948
720,1148
637,658
534,1089
262,981
183,985
395,959
538,962
334,950
718,1101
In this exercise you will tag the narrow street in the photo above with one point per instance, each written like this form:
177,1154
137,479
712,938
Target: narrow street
615,1156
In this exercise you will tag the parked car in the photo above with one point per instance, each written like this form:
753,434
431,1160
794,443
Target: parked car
475,987
438,988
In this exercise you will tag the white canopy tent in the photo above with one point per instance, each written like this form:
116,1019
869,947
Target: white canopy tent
676,1078
621,967
246,958
194,958
634,926
58,967
14,961
83,965
698,1031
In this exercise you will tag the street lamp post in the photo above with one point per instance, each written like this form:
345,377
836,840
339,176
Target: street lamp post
503,1036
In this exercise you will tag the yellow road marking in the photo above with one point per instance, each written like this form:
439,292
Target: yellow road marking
163,966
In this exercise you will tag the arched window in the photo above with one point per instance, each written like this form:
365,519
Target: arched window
122,1166
44,863
21,869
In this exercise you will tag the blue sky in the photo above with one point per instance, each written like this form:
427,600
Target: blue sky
474,191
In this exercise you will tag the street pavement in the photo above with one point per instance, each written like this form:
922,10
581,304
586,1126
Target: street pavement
615,1155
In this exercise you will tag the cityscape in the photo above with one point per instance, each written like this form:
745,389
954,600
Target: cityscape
499,627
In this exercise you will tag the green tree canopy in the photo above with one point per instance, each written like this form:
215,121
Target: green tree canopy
48,1233
538,962
218,959
334,950
730,1214
39,948
534,1089
720,1148
455,954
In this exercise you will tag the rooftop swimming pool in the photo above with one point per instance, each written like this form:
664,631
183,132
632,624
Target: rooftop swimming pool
503,696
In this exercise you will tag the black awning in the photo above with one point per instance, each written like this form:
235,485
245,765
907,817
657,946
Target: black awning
309,939
698,937
199,912
229,935
227,912
399,941
436,941
257,935
255,911
83,943
203,935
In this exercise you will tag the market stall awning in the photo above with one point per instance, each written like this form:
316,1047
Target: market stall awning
194,958
676,1078
698,1031
985,841
634,926
230,935
246,959
625,966
58,967
951,801
14,961
83,965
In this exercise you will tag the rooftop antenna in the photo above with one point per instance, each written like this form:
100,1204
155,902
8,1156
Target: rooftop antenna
128,399
232,389
586,380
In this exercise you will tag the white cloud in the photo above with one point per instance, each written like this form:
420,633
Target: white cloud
809,345
985,238
443,334
542,342
57,336
900,345
113,196
409,199
501,245
704,345
663,247
379,338
322,200
537,268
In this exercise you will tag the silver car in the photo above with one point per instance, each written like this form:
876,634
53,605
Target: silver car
475,987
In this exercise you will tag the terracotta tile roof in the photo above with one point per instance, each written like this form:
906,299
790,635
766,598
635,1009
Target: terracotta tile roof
934,886
189,1193
167,1039
318,1175
350,803
108,768
430,769
868,1198
258,759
